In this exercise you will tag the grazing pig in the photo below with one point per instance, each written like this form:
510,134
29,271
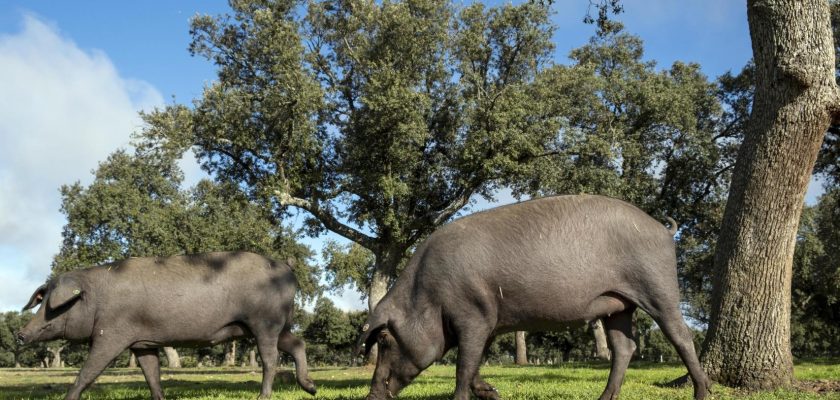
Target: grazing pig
146,303
537,265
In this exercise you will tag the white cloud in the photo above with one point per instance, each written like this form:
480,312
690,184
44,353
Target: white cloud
62,110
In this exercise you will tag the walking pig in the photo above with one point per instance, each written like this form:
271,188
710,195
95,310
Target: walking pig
536,265
143,304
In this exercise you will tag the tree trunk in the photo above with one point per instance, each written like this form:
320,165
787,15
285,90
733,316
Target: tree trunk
56,356
45,363
173,361
602,350
521,349
748,343
230,355
132,360
17,364
252,359
378,289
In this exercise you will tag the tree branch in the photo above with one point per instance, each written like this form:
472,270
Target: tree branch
327,219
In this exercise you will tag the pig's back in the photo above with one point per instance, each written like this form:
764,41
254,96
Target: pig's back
198,293
561,251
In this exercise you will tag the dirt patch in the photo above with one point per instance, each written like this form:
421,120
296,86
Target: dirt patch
820,386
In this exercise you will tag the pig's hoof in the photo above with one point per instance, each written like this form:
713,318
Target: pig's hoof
486,392
308,386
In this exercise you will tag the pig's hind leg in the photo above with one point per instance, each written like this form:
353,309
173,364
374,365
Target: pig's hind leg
102,352
296,348
150,364
267,338
667,315
619,329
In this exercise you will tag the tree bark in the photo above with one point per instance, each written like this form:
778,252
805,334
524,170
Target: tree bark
56,353
378,289
252,359
602,350
132,360
230,355
521,349
748,343
172,358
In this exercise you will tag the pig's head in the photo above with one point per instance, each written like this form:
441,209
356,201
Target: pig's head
64,311
405,348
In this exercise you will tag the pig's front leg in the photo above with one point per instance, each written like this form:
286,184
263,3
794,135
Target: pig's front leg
102,352
149,361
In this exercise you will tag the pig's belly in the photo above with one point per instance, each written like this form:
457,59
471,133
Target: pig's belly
207,337
538,310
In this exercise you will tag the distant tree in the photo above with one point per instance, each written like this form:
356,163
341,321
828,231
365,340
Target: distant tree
12,354
561,345
815,303
331,333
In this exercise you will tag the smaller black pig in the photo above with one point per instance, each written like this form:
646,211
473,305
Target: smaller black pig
146,303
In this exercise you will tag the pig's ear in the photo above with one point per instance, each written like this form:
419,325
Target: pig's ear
369,336
67,289
36,298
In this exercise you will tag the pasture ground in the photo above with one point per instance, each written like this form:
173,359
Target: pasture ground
818,380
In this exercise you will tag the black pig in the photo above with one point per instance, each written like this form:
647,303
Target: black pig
536,265
146,303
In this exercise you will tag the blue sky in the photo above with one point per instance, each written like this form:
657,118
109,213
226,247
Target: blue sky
74,74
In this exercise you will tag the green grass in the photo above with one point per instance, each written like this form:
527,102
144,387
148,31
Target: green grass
569,381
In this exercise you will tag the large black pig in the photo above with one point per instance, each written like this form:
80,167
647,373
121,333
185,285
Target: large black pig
143,304
536,265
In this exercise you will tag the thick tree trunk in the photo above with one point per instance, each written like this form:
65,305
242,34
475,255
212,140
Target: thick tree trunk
748,344
230,355
132,360
252,359
172,358
521,349
378,289
602,350
56,356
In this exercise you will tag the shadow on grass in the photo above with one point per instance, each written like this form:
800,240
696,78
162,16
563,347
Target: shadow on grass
173,388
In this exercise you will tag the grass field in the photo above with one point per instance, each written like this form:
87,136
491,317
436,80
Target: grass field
569,381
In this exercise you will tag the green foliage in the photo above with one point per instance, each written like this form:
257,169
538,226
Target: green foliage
12,353
569,344
815,302
331,334
347,265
